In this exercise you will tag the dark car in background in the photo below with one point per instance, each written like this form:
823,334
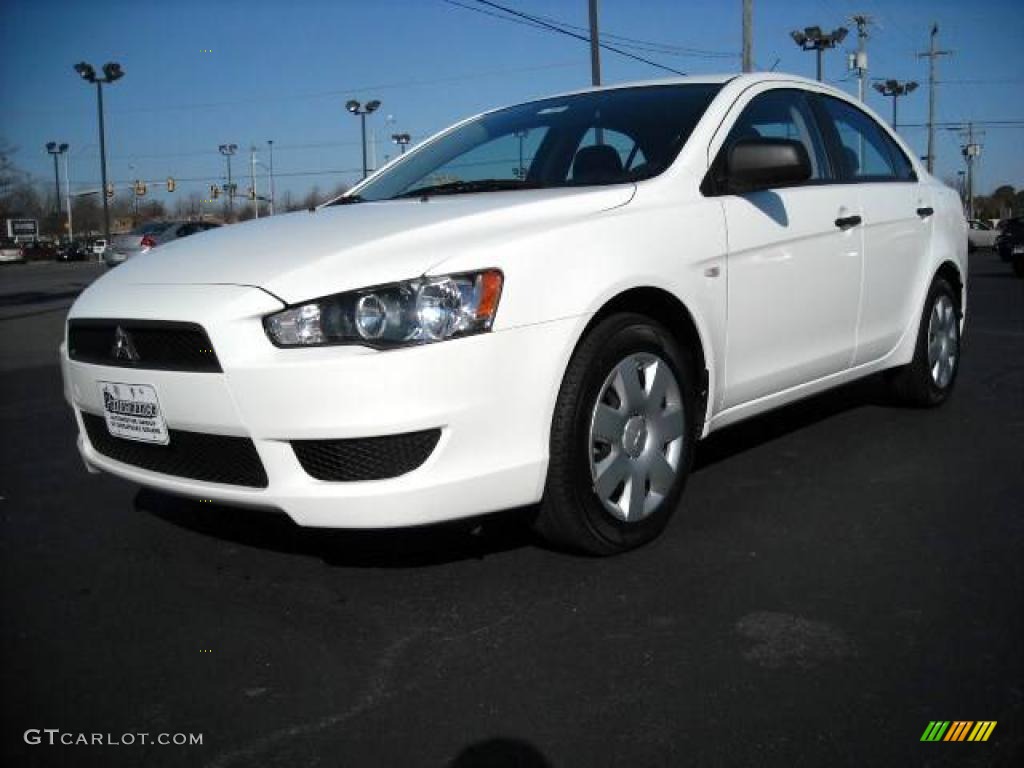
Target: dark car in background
1010,244
40,250
149,235
76,250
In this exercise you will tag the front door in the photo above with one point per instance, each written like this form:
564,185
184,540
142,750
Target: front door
794,264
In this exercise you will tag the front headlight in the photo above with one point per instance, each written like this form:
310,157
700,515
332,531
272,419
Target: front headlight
411,312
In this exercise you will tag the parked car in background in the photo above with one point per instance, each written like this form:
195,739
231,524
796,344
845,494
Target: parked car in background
1010,244
980,234
40,250
74,251
11,251
461,333
150,235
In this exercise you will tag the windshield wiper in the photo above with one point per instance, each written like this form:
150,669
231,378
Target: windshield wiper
468,187
348,200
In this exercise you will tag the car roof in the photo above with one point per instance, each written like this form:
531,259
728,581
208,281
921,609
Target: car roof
747,79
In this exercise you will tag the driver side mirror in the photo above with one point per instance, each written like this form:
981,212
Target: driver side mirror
754,164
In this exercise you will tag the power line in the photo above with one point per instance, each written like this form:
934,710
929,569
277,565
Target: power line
540,23
678,50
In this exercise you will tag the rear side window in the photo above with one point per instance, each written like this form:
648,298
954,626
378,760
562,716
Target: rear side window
867,153
781,114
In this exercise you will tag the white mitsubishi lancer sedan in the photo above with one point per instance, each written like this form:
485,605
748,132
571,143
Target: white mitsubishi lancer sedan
548,304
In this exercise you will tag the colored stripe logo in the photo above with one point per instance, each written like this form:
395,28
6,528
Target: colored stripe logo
958,730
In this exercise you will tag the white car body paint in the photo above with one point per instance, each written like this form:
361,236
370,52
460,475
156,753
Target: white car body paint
785,305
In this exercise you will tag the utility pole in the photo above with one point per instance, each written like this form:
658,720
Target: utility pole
860,58
748,36
971,151
270,143
252,181
931,55
228,150
595,46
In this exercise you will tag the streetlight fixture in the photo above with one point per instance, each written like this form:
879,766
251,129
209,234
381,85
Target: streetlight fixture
813,39
402,140
362,110
228,150
895,89
111,71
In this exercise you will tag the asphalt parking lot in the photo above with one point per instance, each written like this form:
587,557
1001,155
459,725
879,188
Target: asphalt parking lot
841,573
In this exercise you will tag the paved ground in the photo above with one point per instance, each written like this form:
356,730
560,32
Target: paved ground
841,573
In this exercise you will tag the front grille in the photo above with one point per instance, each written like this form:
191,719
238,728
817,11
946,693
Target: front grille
195,455
149,344
370,458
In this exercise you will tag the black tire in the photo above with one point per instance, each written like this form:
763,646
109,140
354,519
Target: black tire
1018,267
914,384
571,515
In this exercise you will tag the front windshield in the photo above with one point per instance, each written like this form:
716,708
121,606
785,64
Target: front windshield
594,138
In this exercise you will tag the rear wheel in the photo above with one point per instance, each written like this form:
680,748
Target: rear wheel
930,377
621,439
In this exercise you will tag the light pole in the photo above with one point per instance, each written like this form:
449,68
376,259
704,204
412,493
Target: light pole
111,71
813,39
67,190
895,89
228,150
402,140
362,111
56,150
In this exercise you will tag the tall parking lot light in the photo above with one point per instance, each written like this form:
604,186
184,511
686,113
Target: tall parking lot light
895,89
228,150
813,39
56,150
111,71
402,140
362,111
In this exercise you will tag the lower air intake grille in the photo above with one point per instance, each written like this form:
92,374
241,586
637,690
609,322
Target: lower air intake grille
370,458
196,455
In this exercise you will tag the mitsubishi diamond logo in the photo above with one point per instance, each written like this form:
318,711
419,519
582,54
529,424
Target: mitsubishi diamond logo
124,349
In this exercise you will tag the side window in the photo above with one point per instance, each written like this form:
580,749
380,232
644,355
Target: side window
867,151
782,114
185,230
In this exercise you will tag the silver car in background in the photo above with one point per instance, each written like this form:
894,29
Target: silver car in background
150,235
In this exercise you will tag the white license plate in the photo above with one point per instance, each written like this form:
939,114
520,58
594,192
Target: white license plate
132,411
1018,249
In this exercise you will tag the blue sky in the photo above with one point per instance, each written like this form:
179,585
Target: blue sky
283,70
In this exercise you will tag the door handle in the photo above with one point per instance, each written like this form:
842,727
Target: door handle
924,213
845,222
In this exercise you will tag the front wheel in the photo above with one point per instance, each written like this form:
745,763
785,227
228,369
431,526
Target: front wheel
621,439
929,378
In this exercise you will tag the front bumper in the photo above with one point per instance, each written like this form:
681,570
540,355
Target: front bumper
490,395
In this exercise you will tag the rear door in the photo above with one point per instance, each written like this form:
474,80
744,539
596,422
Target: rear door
898,219
794,263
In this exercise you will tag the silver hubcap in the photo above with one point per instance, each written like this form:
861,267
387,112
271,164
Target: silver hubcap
943,342
636,437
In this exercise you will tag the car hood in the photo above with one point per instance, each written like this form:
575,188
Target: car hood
303,255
